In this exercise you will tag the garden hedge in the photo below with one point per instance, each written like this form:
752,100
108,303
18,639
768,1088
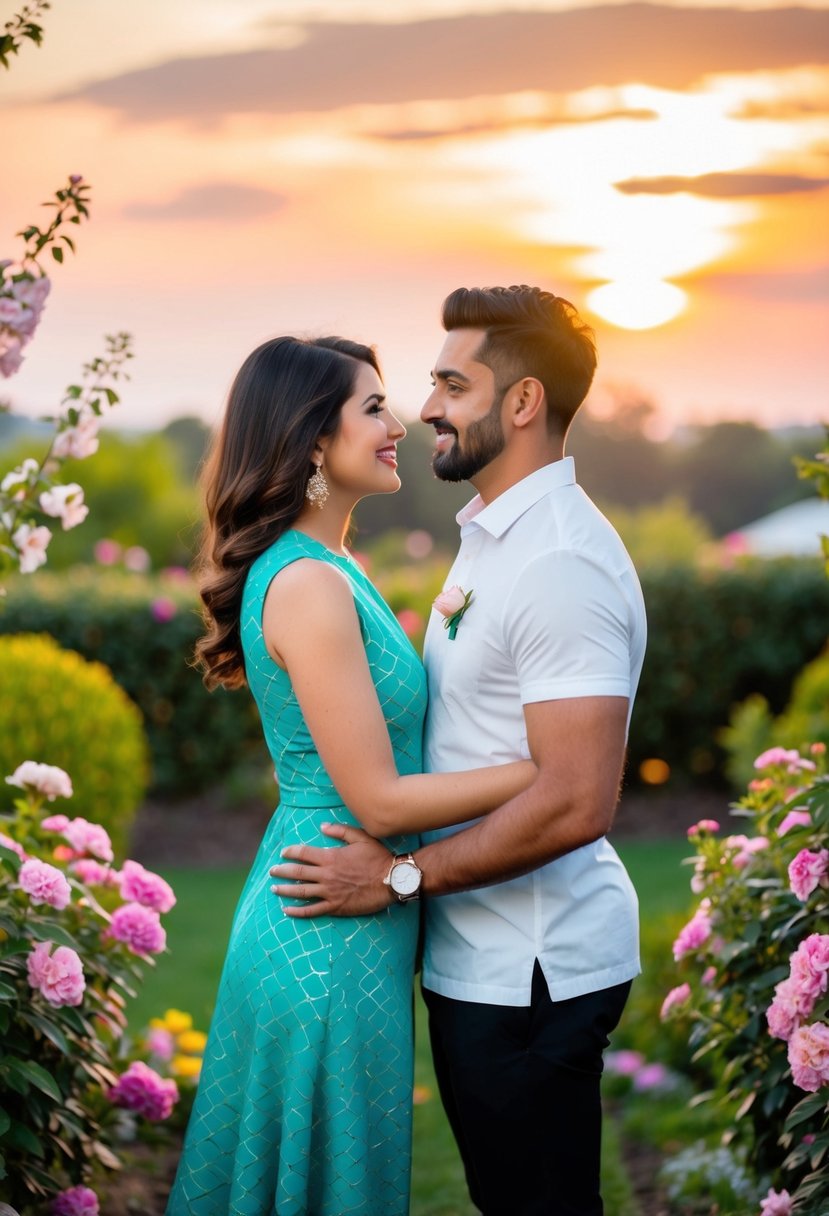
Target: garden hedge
715,637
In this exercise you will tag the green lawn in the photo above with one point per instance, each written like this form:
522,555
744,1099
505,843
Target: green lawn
186,978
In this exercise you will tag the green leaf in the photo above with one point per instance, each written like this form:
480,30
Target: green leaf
57,253
39,1077
20,1136
53,933
7,991
50,1031
5,1122
805,1109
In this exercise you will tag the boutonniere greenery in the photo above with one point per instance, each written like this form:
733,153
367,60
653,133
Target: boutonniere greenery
452,604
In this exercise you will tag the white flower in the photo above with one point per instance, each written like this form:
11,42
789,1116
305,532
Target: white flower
47,779
20,476
31,544
77,442
65,503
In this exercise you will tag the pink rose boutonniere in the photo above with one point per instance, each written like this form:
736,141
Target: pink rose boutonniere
452,604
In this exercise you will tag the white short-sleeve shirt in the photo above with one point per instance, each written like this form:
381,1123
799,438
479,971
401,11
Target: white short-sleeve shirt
557,611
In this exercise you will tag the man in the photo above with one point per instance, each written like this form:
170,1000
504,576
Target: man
525,979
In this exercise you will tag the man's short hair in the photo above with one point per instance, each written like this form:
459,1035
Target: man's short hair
529,332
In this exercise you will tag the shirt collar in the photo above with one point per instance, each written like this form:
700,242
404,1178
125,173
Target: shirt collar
503,511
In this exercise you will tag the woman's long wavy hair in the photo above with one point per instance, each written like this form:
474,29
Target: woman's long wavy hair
287,394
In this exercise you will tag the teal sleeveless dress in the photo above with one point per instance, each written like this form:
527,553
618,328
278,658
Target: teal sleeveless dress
305,1096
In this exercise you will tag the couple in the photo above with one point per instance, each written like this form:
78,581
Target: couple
304,1104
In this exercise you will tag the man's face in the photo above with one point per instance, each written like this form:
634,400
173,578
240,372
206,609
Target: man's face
464,408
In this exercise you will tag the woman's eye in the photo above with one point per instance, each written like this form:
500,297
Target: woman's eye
375,409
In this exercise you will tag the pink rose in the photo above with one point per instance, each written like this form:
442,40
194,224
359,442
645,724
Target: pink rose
77,1201
66,504
807,871
77,442
675,998
31,544
776,1203
139,929
141,1089
786,1011
704,825
746,847
624,1063
86,837
59,976
160,1043
810,968
146,888
8,843
809,1056
794,819
450,601
694,933
46,779
44,884
94,874
55,823
776,755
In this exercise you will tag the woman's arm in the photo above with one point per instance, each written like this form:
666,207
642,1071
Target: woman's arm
312,630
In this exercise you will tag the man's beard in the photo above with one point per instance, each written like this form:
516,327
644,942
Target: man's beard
483,441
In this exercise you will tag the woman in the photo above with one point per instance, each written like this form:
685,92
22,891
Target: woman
304,1103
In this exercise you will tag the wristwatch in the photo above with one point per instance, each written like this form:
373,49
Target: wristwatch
404,878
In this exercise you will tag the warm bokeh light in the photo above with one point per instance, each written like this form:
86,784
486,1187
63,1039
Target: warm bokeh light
637,303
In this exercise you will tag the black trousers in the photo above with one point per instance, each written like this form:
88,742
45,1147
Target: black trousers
520,1085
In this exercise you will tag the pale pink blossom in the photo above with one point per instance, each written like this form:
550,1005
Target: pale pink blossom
86,837
794,819
20,477
801,766
160,1043
809,1056
59,976
94,874
77,1201
46,779
786,1011
810,968
32,292
698,878
77,442
55,823
31,543
704,825
11,312
697,931
808,871
746,847
624,1063
145,887
8,843
66,504
450,601
776,1203
44,884
11,354
142,1090
777,755
137,559
651,1076
708,976
139,929
675,998
107,552
410,622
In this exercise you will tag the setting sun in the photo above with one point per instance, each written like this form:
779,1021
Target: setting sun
637,304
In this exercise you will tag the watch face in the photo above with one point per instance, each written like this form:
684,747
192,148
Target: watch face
405,878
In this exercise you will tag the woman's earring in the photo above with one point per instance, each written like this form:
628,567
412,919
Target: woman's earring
317,491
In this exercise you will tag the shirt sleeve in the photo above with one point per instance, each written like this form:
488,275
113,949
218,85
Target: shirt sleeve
568,629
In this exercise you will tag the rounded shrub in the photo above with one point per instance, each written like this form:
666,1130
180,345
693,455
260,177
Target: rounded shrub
60,709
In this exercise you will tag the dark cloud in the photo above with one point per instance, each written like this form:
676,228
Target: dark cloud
342,64
509,124
210,201
725,185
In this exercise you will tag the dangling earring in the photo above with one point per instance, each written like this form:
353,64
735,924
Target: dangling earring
317,491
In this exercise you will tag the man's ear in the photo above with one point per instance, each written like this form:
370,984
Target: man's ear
527,402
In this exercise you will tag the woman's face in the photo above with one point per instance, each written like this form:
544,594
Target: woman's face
361,457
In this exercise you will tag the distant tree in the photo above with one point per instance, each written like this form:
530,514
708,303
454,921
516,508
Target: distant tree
661,534
616,461
190,436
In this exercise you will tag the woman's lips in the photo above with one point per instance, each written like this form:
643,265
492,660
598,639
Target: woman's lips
388,455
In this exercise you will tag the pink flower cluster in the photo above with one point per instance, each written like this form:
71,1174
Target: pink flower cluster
44,884
697,931
46,779
144,887
788,757
160,1043
808,871
84,837
94,874
58,977
78,441
745,847
142,1090
138,928
776,1203
675,998
644,1076
8,843
77,1201
704,825
796,997
22,299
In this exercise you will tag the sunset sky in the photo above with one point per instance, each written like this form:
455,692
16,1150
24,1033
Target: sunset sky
306,167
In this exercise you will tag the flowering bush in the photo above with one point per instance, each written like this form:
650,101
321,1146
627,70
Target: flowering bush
756,955
75,936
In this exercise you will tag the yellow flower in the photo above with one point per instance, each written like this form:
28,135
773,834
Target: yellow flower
185,1066
175,1021
192,1041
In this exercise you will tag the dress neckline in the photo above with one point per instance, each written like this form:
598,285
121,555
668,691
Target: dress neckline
343,557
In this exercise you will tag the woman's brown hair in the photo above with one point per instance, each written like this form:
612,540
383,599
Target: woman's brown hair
288,393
